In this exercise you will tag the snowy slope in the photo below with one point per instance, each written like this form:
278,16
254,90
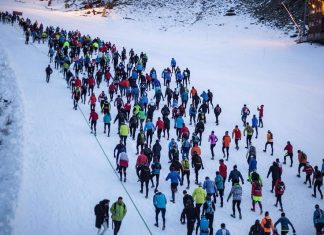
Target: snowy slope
64,171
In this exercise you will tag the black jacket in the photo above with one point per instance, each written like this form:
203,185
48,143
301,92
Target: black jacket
101,211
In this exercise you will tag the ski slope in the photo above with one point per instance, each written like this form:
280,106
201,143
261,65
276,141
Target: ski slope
64,172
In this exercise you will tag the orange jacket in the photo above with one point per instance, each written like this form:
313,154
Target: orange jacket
269,137
196,149
263,224
302,158
193,92
226,140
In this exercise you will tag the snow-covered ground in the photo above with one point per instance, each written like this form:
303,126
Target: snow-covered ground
64,171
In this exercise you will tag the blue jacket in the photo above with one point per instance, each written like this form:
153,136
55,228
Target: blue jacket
253,164
157,83
318,216
184,96
204,96
153,76
209,186
167,76
107,118
179,76
144,100
193,111
174,176
284,224
134,74
173,62
254,122
220,232
139,67
159,200
219,182
171,143
149,126
179,122
204,225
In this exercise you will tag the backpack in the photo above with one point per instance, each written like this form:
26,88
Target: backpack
185,164
209,209
281,187
268,223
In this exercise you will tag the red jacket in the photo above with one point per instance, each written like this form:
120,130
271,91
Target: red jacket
77,82
223,170
93,99
256,189
289,148
141,160
236,134
91,81
127,107
308,169
93,116
107,75
112,88
159,124
148,77
260,112
277,189
184,130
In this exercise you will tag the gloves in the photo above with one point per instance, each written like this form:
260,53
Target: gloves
203,168
242,182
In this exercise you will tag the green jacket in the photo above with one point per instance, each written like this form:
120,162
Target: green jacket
118,211
248,130
199,195
123,130
141,115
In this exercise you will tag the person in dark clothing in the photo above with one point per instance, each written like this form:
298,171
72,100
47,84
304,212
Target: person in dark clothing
200,127
256,229
101,211
133,125
285,222
190,213
166,128
208,211
145,175
317,181
217,111
197,164
157,150
187,198
274,170
234,175
48,72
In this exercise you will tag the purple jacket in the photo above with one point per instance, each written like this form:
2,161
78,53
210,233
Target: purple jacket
212,139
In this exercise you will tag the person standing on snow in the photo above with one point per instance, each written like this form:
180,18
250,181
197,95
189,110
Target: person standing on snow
217,112
269,141
280,188
159,202
226,144
48,72
290,153
213,140
223,230
249,133
285,222
236,192
122,165
220,186
93,119
256,195
175,179
118,211
266,224
256,229
317,181
209,210
318,219
255,125
210,188
245,111
101,211
275,172
236,135
260,110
